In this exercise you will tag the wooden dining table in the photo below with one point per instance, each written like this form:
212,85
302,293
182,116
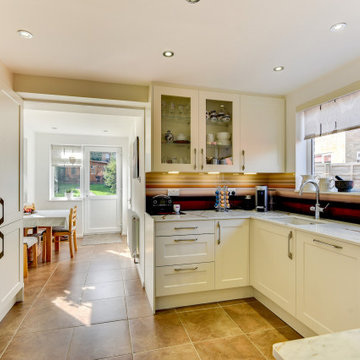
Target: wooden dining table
47,219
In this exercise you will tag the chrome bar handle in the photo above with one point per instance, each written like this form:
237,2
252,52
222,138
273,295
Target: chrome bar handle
2,245
325,243
186,228
179,240
290,236
2,211
202,159
186,269
195,163
243,156
219,233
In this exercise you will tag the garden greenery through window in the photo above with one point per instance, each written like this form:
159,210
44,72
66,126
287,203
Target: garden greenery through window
66,163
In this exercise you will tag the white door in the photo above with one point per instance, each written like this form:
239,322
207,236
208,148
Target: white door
232,253
103,188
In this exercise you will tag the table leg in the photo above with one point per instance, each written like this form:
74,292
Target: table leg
48,236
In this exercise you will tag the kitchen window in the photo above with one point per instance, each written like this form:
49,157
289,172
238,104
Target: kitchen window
333,130
66,169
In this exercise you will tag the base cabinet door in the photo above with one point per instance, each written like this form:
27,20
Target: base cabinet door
328,278
231,253
11,272
273,263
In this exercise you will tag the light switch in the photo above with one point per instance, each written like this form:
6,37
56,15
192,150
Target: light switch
174,192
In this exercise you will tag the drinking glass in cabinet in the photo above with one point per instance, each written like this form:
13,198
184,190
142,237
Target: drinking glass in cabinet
175,128
219,132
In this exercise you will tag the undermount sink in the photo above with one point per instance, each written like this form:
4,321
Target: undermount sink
293,220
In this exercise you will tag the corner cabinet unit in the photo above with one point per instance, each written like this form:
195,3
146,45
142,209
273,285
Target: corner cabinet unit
328,273
203,131
272,261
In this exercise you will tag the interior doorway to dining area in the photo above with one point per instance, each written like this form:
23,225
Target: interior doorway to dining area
80,155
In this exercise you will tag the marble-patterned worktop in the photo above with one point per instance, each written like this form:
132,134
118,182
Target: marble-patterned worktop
342,231
343,345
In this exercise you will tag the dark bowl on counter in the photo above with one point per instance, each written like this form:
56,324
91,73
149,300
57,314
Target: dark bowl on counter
344,185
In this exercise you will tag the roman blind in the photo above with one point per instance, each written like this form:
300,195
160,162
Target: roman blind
66,155
340,114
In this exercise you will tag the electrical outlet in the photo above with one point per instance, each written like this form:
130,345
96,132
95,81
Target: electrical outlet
174,192
232,191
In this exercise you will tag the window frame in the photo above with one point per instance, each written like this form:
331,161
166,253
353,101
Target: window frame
52,196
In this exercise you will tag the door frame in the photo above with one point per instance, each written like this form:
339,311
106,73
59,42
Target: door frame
119,190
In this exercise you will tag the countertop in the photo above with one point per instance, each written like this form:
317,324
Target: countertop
337,230
337,346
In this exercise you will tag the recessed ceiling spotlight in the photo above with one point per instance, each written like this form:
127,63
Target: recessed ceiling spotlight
278,68
106,130
338,27
192,1
54,127
168,53
25,34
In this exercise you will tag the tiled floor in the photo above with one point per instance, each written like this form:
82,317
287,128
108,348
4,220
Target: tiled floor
93,307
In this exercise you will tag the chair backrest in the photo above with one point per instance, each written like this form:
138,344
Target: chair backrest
72,219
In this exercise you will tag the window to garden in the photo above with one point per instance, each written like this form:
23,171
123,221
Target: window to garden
333,128
66,164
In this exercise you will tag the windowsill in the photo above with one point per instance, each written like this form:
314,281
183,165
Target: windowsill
65,199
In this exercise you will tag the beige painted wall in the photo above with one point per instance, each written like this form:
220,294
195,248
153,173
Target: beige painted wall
5,77
80,88
341,81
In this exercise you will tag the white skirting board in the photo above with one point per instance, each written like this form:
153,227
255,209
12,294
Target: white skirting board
168,302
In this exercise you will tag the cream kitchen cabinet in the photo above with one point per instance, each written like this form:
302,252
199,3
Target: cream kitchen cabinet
231,253
10,149
187,138
328,286
272,262
262,134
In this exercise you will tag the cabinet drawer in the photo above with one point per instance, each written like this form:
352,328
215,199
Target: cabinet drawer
181,279
184,249
173,228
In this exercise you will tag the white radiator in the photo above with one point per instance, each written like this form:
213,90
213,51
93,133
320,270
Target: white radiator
134,235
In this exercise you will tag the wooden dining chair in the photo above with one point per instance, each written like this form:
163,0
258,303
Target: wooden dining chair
32,242
70,233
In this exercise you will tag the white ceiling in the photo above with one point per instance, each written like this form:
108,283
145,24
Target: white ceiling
231,44
75,123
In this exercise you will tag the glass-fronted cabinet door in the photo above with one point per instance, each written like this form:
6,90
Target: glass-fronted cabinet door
219,136
175,129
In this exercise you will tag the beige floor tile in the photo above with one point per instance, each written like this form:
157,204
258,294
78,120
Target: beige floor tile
182,352
234,348
264,340
197,307
58,315
130,274
133,287
99,277
50,293
156,332
122,357
40,346
100,341
103,291
208,324
138,306
253,316
102,265
106,310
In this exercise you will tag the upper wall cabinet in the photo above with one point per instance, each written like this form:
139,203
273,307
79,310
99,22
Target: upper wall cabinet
175,136
219,131
262,134
195,131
